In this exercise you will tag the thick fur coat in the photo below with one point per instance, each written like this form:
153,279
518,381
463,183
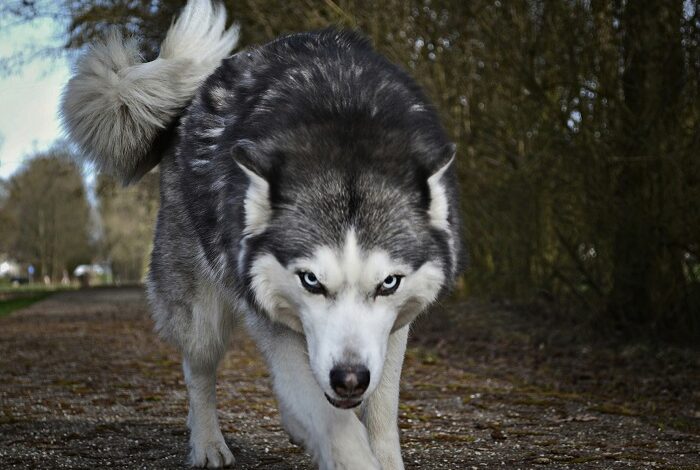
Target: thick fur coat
308,189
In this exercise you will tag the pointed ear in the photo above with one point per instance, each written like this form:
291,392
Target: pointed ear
257,205
439,204
445,158
247,155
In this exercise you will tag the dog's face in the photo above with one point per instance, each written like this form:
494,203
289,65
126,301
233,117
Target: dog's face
346,300
346,258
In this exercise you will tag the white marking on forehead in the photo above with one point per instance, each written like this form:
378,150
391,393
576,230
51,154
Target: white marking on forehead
325,266
351,266
351,263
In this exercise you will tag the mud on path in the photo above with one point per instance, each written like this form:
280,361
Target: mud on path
84,383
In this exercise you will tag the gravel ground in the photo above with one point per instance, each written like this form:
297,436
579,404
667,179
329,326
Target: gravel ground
84,383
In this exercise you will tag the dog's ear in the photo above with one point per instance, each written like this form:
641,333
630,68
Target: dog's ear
444,159
257,200
438,209
249,158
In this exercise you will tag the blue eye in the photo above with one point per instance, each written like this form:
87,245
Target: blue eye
389,285
390,282
310,282
309,279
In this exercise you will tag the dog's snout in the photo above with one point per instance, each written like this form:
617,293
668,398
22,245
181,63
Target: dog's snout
349,381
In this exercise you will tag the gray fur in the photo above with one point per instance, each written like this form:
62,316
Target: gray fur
116,104
311,142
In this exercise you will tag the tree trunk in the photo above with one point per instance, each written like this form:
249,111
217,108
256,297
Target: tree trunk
643,271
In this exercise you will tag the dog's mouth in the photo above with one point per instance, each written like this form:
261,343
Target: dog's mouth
343,404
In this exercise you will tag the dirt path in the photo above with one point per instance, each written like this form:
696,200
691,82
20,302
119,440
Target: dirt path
84,383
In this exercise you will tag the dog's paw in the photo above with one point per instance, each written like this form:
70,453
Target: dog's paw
389,456
353,457
211,454
357,464
294,429
390,461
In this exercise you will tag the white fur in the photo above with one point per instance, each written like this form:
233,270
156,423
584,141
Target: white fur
335,438
116,104
207,445
439,205
257,203
439,209
200,34
350,324
380,410
275,288
219,95
419,290
214,132
346,330
114,108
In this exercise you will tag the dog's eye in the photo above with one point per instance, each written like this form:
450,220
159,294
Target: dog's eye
389,285
311,282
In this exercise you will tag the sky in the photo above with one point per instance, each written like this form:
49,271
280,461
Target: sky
29,99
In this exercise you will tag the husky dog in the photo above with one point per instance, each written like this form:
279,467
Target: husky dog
308,188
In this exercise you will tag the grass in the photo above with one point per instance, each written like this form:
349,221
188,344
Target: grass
35,287
9,306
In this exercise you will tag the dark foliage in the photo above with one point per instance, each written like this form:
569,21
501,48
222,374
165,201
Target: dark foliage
576,124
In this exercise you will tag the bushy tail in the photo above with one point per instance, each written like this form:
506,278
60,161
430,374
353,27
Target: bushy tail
116,105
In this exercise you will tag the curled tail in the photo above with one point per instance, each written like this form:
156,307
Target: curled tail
116,105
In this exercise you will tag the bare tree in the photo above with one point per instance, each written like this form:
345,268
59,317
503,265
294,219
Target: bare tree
127,217
49,214
5,220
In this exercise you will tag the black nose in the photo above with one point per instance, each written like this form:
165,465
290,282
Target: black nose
349,381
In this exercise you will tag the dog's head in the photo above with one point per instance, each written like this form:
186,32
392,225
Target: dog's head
346,251
350,220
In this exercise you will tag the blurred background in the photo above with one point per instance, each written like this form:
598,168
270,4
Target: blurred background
576,123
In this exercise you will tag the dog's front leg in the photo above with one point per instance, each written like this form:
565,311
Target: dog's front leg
380,412
204,347
336,438
207,445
